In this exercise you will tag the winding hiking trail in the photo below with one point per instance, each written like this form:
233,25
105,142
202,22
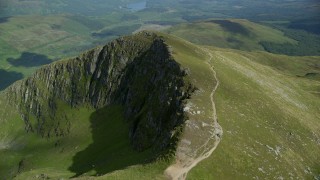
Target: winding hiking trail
189,155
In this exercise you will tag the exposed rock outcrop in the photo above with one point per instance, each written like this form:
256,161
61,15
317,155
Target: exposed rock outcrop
137,72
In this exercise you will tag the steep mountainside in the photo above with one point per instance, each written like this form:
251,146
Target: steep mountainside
136,72
145,80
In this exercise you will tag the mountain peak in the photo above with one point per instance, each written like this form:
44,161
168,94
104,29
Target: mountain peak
136,72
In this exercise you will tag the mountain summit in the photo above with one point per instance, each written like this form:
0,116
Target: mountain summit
139,81
136,72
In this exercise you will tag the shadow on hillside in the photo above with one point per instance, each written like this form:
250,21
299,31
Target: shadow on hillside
28,59
4,19
309,25
7,78
116,31
111,149
232,27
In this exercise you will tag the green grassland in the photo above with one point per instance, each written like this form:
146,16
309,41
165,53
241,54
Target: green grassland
270,118
48,7
271,36
53,37
231,33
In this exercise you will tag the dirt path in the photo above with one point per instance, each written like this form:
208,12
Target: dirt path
186,161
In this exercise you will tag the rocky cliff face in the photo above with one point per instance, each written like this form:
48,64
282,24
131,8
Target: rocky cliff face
137,72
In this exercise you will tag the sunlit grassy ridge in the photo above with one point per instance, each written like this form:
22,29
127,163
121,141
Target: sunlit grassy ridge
270,119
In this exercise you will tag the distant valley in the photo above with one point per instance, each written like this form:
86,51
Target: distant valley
159,89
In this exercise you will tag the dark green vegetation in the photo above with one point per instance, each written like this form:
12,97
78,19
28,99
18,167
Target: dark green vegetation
308,44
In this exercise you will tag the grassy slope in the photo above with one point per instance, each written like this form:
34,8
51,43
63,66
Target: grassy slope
211,33
96,138
270,119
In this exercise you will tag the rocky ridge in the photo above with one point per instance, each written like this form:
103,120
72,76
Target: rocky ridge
137,72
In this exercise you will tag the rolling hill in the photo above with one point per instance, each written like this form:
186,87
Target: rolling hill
148,106
229,33
276,37
270,119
